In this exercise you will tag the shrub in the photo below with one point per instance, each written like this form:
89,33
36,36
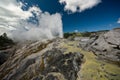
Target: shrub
5,41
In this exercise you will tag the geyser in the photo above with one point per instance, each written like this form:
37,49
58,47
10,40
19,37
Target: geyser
31,24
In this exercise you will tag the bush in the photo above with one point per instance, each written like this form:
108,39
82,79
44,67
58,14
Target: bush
86,34
5,41
73,34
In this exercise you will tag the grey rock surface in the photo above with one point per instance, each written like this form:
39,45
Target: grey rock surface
106,45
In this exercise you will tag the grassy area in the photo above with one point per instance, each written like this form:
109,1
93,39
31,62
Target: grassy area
92,68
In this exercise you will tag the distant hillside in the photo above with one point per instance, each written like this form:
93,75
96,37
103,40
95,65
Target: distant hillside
83,34
71,34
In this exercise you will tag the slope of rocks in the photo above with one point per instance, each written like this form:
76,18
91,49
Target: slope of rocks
106,45
41,61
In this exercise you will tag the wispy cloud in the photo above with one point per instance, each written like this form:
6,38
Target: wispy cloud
15,21
76,31
118,21
79,5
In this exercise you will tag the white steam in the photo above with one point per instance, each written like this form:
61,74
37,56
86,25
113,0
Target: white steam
14,22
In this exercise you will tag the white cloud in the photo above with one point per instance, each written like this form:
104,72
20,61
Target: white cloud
76,31
11,13
14,21
79,5
118,21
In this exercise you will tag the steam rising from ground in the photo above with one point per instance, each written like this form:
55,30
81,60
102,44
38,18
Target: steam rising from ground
32,24
50,26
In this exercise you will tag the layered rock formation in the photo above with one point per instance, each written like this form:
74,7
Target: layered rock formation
41,61
106,45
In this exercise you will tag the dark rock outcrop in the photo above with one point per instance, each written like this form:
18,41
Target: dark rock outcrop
106,45
5,54
65,64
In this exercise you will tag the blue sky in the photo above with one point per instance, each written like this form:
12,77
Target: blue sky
103,16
